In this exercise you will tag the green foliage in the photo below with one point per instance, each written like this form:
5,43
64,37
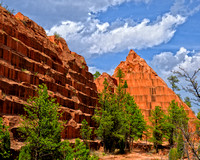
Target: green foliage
180,146
96,75
173,80
159,127
42,130
120,74
85,131
66,150
4,141
125,84
187,101
119,119
178,120
57,35
137,124
173,154
79,151
10,11
198,115
41,127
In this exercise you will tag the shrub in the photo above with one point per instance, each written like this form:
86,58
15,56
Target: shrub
173,154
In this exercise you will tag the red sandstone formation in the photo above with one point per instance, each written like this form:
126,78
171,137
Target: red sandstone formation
28,57
148,89
112,82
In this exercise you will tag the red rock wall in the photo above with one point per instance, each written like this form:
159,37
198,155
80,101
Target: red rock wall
28,57
148,89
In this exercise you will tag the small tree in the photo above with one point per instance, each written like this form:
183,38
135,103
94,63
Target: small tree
119,118
96,74
173,80
180,146
178,120
158,121
187,101
57,35
41,127
85,131
4,141
173,154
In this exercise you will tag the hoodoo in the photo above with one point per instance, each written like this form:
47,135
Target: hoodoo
148,89
28,57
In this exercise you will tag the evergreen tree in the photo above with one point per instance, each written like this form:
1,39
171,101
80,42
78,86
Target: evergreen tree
178,120
173,80
119,118
136,123
180,146
42,130
158,120
4,141
41,127
85,132
187,101
96,74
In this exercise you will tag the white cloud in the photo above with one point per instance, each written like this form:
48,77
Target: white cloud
166,62
66,29
94,37
185,7
93,69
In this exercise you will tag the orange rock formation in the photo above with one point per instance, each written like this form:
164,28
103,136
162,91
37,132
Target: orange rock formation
28,57
148,89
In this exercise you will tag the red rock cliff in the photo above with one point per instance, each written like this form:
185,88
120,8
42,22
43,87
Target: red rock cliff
148,89
28,57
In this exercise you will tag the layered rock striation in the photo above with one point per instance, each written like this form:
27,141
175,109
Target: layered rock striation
28,57
148,89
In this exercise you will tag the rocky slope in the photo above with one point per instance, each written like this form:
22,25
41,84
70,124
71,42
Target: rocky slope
28,57
148,89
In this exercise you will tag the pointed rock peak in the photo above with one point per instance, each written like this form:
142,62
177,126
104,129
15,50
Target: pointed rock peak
132,55
20,16
104,74
112,82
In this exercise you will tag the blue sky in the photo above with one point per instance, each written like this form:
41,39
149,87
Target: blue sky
166,33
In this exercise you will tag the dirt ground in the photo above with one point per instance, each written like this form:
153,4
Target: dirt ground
135,154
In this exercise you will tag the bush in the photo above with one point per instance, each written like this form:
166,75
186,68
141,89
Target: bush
173,154
4,141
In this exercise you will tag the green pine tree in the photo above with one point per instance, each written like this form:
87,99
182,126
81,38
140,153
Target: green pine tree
159,123
187,101
41,127
86,132
180,146
178,120
173,80
96,74
42,130
119,119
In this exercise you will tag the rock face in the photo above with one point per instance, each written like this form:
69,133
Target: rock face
148,89
28,57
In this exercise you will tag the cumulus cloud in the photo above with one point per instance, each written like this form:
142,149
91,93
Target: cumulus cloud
166,62
94,37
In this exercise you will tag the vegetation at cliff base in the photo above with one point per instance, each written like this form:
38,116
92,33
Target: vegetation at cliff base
41,130
4,141
119,119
